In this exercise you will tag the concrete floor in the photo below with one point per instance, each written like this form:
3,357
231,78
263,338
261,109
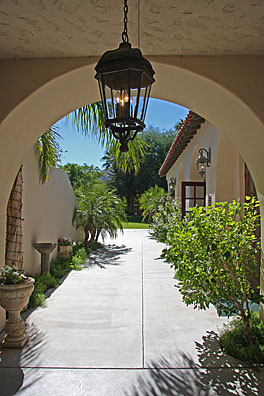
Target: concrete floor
119,328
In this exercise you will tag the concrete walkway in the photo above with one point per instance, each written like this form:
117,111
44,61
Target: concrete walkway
119,328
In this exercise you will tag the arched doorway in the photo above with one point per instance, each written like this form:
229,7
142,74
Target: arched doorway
49,89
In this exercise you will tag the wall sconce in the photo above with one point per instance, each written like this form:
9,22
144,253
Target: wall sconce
203,161
172,184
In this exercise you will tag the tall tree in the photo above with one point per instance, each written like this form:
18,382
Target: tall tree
82,174
131,184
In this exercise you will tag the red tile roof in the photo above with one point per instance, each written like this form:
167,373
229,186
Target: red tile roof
189,128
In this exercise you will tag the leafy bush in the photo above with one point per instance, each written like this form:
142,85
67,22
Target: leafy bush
214,253
76,263
78,260
37,298
235,343
95,245
46,279
77,247
135,219
81,254
60,266
167,215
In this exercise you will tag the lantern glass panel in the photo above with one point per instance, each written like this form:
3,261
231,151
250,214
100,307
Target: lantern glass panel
201,167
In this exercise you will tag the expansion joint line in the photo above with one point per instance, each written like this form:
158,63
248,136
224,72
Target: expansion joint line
142,303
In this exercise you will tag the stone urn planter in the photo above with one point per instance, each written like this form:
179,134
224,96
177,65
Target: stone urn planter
65,251
14,298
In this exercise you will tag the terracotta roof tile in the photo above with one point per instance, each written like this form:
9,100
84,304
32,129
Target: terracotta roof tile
189,128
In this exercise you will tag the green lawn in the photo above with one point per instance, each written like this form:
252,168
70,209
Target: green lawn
135,225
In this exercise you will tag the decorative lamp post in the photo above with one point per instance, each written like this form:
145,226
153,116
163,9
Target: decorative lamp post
125,78
203,161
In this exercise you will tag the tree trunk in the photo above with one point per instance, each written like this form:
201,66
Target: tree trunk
97,235
248,330
130,203
86,236
14,236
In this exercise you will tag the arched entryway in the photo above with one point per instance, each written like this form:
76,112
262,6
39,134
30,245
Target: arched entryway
39,92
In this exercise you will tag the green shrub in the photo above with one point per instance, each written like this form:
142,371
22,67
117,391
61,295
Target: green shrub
214,252
60,266
167,215
37,299
81,254
94,246
79,259
77,247
48,280
77,263
234,341
135,219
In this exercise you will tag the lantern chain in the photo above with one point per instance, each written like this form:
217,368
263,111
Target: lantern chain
124,34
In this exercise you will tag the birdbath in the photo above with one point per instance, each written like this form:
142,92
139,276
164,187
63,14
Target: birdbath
45,249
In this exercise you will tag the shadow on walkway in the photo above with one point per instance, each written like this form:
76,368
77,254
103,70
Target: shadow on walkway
215,374
108,255
13,360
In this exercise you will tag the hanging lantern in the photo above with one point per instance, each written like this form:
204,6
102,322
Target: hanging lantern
125,78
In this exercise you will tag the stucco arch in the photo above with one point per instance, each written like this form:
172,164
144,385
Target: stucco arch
224,90
228,164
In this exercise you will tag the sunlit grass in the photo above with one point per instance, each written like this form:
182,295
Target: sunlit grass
135,225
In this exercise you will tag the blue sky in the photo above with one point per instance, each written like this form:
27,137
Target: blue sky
79,149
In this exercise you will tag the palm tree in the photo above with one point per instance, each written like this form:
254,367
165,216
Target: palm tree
100,211
150,201
88,119
48,151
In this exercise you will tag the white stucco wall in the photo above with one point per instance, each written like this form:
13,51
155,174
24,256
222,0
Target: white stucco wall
224,177
47,211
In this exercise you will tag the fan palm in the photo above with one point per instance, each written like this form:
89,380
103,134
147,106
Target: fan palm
100,211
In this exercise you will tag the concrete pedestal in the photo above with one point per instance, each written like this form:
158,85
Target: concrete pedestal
45,249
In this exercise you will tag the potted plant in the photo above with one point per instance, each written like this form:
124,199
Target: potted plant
65,247
15,290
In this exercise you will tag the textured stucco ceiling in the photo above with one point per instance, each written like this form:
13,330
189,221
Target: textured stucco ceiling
72,28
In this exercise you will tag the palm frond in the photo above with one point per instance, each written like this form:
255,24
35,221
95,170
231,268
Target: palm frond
89,120
49,152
